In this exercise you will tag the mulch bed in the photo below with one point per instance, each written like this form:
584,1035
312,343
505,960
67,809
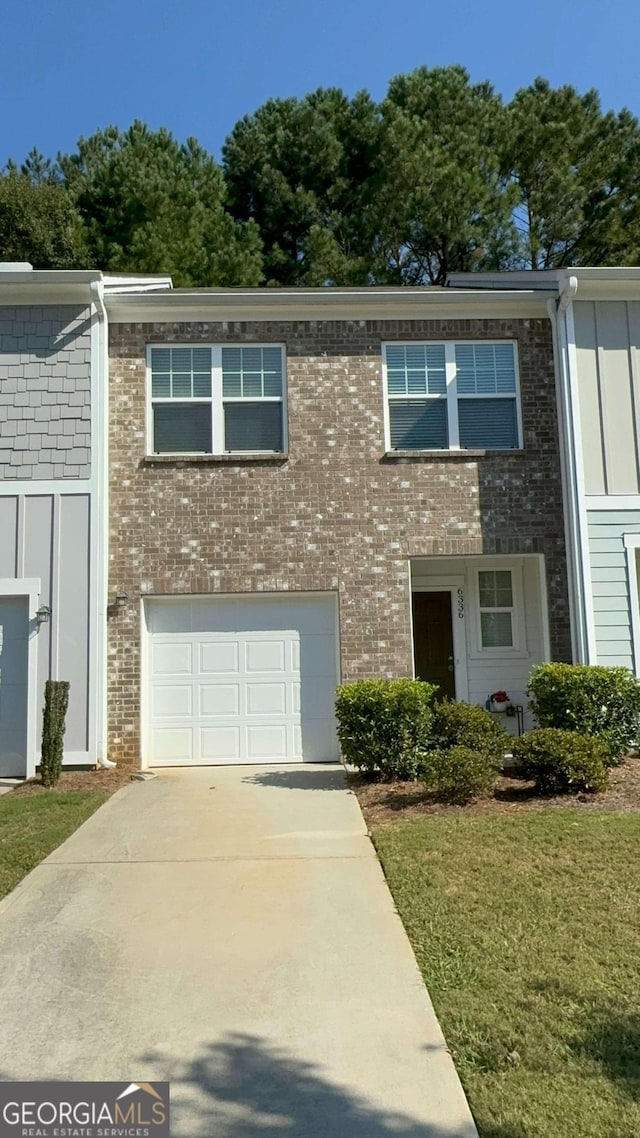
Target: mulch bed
386,802
100,779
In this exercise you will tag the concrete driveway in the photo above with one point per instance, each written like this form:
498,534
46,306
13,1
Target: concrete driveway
230,930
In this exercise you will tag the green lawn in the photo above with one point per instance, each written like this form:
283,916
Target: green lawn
527,931
32,825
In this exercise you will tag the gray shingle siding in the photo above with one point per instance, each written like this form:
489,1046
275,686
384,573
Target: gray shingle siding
45,392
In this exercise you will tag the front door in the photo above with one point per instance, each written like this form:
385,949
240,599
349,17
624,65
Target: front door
433,641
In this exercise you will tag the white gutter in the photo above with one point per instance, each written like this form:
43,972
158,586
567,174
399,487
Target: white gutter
570,459
97,294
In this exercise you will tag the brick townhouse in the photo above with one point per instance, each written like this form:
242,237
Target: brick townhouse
215,505
312,486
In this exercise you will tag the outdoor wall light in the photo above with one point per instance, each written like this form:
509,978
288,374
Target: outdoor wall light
119,601
43,614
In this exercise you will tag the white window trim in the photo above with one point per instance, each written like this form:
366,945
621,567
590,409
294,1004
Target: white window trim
451,394
518,649
216,400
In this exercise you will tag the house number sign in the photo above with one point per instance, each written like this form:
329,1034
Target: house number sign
460,604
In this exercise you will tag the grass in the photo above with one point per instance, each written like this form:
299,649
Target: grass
526,929
31,826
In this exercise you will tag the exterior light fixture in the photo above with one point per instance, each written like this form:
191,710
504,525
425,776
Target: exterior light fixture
119,602
43,614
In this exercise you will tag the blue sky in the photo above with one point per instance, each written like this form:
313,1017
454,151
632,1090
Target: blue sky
68,67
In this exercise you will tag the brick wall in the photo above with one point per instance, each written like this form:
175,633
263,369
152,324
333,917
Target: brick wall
337,514
45,396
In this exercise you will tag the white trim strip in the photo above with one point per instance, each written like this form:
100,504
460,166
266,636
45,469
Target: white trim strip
612,502
582,521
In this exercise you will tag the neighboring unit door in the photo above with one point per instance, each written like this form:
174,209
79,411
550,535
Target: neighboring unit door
433,640
241,680
14,647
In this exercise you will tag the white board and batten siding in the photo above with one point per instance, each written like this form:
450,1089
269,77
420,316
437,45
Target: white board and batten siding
487,672
240,679
607,338
607,346
47,537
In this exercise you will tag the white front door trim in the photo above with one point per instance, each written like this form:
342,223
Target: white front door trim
454,586
30,588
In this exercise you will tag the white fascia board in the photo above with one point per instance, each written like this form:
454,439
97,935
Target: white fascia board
535,279
44,287
593,283
128,283
324,304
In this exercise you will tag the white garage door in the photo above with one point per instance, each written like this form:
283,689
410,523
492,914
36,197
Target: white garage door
241,680
14,644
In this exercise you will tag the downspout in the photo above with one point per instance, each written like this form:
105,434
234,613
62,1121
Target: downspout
570,473
97,294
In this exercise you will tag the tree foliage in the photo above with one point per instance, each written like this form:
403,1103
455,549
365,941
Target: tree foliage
306,171
575,171
39,223
440,176
443,205
151,204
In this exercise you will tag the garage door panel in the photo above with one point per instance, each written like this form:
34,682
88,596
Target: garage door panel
14,663
174,658
219,699
266,699
243,680
219,656
318,657
295,698
171,700
173,744
220,744
169,616
267,743
317,699
265,656
319,741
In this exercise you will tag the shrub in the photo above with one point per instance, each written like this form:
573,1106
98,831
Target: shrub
562,762
56,700
385,725
468,725
590,699
457,774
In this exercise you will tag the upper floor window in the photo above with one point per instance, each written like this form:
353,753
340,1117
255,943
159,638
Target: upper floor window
216,400
452,396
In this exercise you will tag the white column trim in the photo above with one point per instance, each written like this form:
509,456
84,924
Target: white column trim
582,519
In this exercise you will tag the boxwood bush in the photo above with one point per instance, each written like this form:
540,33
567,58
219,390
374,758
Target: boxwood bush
384,726
467,725
561,762
458,774
590,699
56,701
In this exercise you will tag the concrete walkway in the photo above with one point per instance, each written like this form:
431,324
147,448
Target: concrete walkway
230,930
